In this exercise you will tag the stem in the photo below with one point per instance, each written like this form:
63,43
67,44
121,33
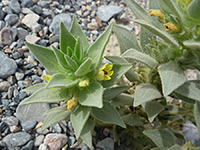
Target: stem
115,133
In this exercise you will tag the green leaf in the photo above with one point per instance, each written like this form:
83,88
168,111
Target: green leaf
108,114
132,120
113,92
153,109
126,39
95,51
162,138
123,99
56,115
175,147
79,118
69,51
71,63
78,51
84,67
86,134
46,57
139,56
46,96
66,39
194,9
61,80
119,70
172,77
34,88
197,114
165,36
60,57
144,93
193,45
78,32
92,95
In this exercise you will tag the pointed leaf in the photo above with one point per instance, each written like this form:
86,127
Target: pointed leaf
46,96
197,114
113,92
56,115
116,59
84,67
132,120
172,76
34,88
60,57
144,93
162,138
108,114
126,39
71,63
153,109
95,51
61,80
92,95
79,118
139,56
46,57
69,51
66,38
86,134
194,9
78,50
123,99
119,70
78,32
193,45
175,147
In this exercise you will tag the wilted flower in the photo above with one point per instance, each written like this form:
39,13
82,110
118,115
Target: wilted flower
157,13
170,26
71,104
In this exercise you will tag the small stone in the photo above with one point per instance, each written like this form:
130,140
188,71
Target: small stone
37,9
93,25
28,146
124,18
44,147
28,125
15,6
27,11
4,86
99,21
32,39
2,24
84,148
27,3
36,28
21,33
106,144
11,121
10,91
55,25
105,12
3,145
19,75
5,36
16,55
55,141
2,14
31,60
11,19
30,20
38,140
14,129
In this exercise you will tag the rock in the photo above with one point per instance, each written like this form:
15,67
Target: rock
55,25
38,140
14,6
4,86
2,14
30,60
37,9
27,3
30,20
106,144
11,121
124,18
32,112
28,125
19,75
21,33
84,147
44,147
13,33
105,12
5,36
32,39
11,19
55,141
93,25
3,145
28,146
14,129
27,11
16,55
2,24
17,139
7,66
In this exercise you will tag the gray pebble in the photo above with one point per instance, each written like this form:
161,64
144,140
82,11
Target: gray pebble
5,36
2,14
84,148
15,6
10,91
4,86
38,140
19,76
27,3
11,121
28,146
13,33
37,9
16,55
2,24
11,19
21,33
28,125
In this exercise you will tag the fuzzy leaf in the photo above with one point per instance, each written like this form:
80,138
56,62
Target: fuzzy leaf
79,118
162,138
78,51
61,80
84,67
172,77
132,120
194,9
193,45
46,96
119,70
46,57
139,56
126,39
92,95
197,114
144,93
71,63
66,39
123,99
108,114
95,51
86,134
34,88
175,147
78,32
56,115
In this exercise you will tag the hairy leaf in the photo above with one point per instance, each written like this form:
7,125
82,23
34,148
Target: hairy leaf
132,120
84,67
123,99
34,88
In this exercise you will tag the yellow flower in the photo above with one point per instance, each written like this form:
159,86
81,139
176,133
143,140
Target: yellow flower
71,104
171,27
157,13
47,77
104,72
83,83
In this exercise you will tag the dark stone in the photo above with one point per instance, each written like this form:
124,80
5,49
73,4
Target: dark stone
11,121
27,3
11,19
2,24
21,33
16,55
37,9
13,33
28,146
